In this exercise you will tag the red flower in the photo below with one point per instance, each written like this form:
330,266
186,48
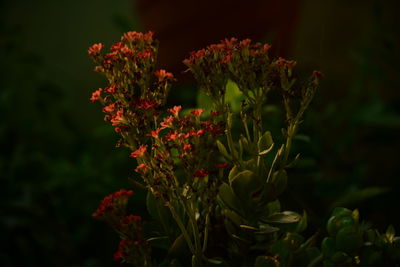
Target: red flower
96,95
111,202
146,104
281,62
187,147
266,47
94,50
167,123
215,113
201,173
116,46
133,36
109,108
162,74
111,89
172,135
317,74
142,168
122,249
139,152
175,110
223,165
144,54
197,112
118,117
154,133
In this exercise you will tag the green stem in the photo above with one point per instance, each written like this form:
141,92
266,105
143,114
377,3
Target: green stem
182,227
290,133
196,233
205,241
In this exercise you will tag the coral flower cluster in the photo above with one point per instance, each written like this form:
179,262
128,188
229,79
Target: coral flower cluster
188,160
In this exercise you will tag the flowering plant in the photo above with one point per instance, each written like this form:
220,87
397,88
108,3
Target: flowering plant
214,177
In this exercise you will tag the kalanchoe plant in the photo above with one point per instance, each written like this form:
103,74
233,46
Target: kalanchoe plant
214,192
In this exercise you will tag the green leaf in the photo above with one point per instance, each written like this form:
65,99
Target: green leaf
293,240
340,257
245,184
226,194
178,247
265,143
390,233
279,179
266,261
233,96
348,239
160,213
328,246
284,217
245,144
263,229
233,172
340,211
204,101
223,150
302,224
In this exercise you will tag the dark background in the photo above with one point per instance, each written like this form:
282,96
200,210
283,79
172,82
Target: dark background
57,156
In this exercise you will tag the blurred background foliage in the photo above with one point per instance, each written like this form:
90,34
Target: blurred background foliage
57,156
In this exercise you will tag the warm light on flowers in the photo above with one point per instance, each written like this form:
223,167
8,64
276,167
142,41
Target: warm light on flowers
96,95
139,152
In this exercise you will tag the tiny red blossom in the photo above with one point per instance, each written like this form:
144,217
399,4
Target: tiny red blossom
111,89
281,62
122,249
167,123
223,165
175,110
139,152
162,74
267,47
215,113
96,95
118,117
197,112
112,202
172,135
146,104
127,220
201,173
95,50
110,108
187,147
144,54
142,168
317,74
154,133
116,46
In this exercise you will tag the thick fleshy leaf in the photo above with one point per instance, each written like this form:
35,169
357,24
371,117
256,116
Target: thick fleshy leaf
233,96
266,261
265,143
293,240
302,224
284,217
178,248
229,198
159,212
222,150
279,179
245,184
328,246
